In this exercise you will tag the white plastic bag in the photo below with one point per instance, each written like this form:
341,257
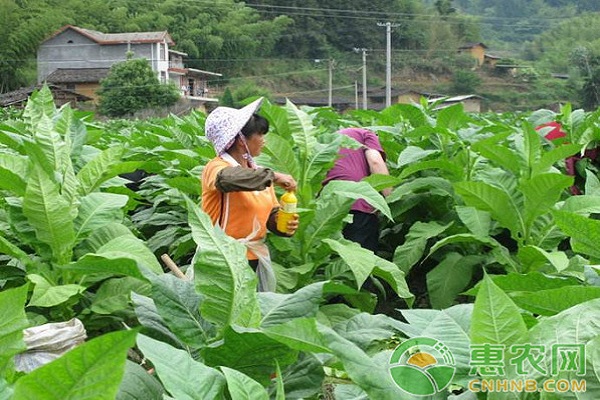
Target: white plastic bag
47,342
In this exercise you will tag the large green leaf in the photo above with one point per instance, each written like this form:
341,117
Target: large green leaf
96,210
279,308
242,387
477,222
178,303
552,301
449,278
303,130
92,370
249,351
549,158
372,376
223,276
413,154
531,282
498,153
496,319
584,232
364,262
12,322
181,376
497,202
578,325
281,154
153,323
96,171
541,193
49,213
11,250
450,326
365,329
114,294
298,334
139,384
45,294
413,248
13,173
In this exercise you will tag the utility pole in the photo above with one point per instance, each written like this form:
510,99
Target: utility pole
388,64
331,66
364,76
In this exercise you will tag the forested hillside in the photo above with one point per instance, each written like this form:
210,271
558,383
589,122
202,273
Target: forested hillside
273,44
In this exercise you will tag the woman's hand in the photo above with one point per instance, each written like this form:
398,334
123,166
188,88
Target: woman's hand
292,225
285,181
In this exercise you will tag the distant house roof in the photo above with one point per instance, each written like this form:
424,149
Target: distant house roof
471,45
77,75
487,55
378,92
118,38
455,99
21,95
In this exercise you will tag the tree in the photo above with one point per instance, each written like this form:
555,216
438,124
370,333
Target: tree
465,81
132,86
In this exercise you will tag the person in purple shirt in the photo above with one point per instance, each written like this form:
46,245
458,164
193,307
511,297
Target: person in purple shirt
354,165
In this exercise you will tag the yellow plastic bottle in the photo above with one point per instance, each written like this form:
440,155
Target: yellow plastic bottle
288,208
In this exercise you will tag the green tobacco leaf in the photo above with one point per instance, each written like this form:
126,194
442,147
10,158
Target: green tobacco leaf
499,153
242,387
153,323
96,210
583,205
552,301
177,302
541,194
496,319
355,191
412,154
250,351
279,308
365,329
11,250
452,117
304,378
41,103
106,265
477,222
113,295
92,370
12,322
373,377
47,295
302,128
531,282
578,325
223,276
455,170
129,246
49,213
449,278
364,262
497,202
13,173
298,334
95,172
380,181
181,375
534,258
413,248
139,384
280,394
584,232
282,156
551,157
450,326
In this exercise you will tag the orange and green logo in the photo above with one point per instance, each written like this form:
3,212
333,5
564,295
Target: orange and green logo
422,366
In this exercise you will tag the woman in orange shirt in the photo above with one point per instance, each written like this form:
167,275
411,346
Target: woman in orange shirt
237,194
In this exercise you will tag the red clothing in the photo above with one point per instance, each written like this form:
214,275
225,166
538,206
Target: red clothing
352,164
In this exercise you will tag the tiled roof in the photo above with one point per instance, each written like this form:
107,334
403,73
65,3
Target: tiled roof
77,75
115,38
22,94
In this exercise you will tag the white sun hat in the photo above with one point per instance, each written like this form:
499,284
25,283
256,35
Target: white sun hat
224,124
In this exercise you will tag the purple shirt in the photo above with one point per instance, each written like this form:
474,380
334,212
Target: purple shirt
352,164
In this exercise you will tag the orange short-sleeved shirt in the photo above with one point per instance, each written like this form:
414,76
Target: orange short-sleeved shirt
235,212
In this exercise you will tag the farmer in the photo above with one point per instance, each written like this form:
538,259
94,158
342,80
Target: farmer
237,194
354,165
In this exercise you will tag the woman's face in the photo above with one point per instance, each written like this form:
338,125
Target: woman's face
255,143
